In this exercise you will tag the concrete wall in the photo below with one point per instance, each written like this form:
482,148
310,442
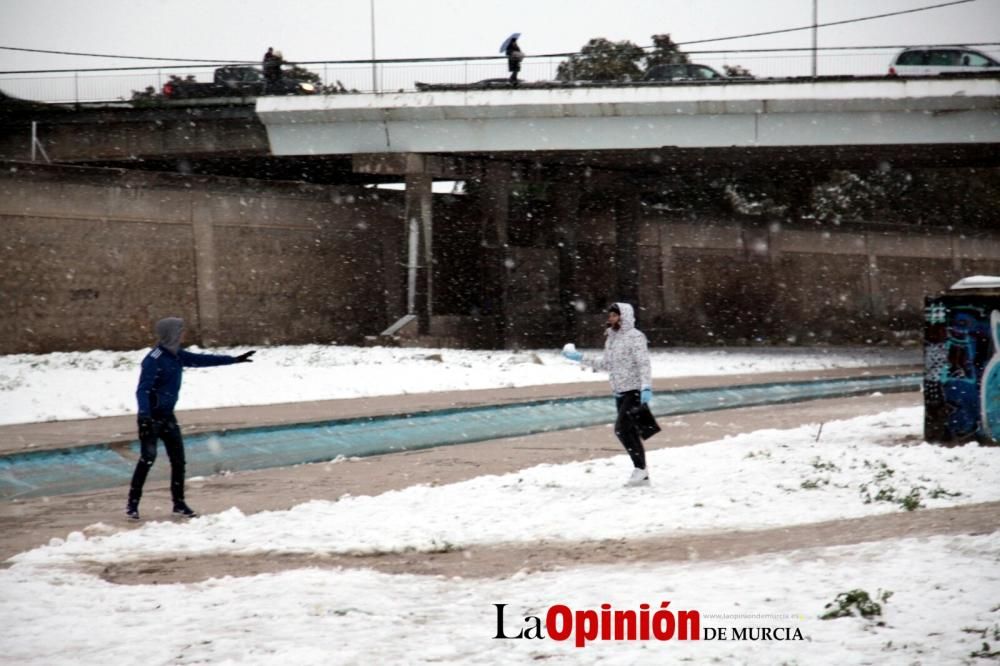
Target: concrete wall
708,280
90,258
155,132
704,279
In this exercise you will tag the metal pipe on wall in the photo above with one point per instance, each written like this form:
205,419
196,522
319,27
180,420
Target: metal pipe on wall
411,265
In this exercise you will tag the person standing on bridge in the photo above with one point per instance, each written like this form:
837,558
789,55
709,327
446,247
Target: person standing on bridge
514,57
271,66
159,388
626,360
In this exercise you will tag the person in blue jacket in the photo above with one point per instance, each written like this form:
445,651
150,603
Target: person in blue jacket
159,388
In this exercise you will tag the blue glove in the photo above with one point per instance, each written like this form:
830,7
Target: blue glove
646,396
573,355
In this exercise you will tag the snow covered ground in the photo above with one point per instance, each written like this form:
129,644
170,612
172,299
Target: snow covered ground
945,590
84,385
942,609
768,478
943,606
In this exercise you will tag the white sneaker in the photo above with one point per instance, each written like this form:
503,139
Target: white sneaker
640,477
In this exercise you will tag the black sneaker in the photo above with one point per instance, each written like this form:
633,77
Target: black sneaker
182,509
132,509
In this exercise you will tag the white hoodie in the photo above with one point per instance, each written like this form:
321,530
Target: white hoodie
626,355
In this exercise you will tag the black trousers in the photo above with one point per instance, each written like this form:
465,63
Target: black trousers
513,67
626,428
165,428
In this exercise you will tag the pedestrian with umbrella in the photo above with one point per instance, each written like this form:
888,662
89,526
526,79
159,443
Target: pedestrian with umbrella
514,55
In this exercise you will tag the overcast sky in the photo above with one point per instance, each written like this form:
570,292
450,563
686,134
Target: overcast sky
340,29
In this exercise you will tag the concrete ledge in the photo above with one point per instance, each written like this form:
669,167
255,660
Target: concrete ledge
861,112
29,437
60,471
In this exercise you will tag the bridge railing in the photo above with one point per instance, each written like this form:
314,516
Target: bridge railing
120,84
83,87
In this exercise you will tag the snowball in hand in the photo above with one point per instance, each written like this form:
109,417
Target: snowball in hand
569,347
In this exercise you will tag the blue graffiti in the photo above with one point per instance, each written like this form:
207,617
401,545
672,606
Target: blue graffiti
961,373
990,395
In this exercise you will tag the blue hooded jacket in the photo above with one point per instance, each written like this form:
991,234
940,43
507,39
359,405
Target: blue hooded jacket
160,379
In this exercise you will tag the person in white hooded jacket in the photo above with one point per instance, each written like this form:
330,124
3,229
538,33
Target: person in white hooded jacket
626,360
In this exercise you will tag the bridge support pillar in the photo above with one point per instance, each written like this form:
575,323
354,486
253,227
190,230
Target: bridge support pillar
204,260
567,207
496,257
879,311
419,234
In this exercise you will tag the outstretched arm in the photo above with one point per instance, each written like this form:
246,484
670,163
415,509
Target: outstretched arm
192,360
596,361
590,360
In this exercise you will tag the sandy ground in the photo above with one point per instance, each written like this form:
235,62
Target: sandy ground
29,523
507,559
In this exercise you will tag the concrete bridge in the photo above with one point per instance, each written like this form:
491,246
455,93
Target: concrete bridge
739,114
642,127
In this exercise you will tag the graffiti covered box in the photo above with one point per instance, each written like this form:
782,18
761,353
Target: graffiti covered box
962,363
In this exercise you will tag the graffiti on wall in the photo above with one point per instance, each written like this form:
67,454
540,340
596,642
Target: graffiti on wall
990,392
962,369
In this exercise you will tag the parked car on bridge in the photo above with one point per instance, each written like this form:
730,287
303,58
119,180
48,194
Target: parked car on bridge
682,72
237,82
927,60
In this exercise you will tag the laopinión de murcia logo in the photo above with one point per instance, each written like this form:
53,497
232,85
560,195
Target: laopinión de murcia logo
648,623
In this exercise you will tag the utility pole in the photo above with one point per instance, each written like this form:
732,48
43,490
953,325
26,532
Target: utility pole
371,6
814,31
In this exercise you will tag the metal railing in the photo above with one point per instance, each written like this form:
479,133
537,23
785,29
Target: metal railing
119,84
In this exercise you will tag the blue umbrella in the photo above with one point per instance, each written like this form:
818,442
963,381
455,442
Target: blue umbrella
506,42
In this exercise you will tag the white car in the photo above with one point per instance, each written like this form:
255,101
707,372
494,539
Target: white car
941,60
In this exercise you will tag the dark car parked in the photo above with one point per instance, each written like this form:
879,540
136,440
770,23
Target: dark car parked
236,82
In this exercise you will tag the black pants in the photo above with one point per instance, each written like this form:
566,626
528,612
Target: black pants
164,428
626,428
513,68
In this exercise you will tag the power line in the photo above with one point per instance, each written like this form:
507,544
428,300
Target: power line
119,57
823,25
545,55
216,63
884,47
